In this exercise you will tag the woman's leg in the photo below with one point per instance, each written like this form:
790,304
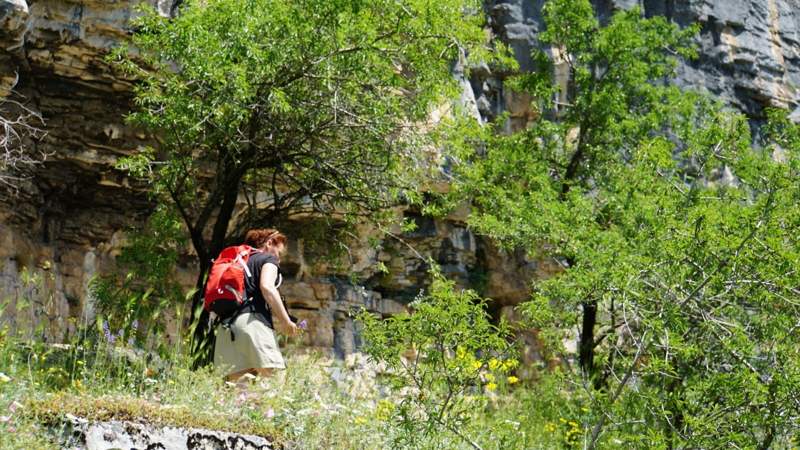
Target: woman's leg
259,372
264,372
235,376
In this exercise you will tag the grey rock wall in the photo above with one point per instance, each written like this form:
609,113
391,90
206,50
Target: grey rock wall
749,49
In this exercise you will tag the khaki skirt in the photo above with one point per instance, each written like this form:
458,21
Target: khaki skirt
253,347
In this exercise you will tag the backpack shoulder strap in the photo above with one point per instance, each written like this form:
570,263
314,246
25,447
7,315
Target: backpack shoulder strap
240,259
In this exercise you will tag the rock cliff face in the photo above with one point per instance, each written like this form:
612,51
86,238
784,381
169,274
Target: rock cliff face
749,49
67,223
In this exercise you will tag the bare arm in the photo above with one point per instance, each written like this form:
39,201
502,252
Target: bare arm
269,273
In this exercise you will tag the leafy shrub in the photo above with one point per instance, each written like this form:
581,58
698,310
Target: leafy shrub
442,358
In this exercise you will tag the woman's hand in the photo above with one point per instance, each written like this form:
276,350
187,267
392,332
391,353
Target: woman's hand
289,329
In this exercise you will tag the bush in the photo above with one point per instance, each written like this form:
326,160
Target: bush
443,358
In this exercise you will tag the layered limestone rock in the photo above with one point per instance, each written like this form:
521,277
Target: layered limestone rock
749,49
82,434
68,222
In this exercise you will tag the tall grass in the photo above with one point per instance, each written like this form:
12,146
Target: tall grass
316,403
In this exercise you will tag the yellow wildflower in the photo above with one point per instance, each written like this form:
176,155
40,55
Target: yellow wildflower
384,410
489,377
491,386
509,364
476,365
512,379
494,364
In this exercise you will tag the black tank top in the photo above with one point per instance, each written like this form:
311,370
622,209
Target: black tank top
251,284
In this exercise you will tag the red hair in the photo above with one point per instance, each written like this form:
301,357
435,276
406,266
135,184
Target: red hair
257,238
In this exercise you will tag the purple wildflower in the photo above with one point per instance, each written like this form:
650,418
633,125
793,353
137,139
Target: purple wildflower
110,338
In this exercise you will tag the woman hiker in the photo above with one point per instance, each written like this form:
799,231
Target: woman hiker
248,346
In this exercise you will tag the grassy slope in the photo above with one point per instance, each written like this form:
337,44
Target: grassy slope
316,403
306,406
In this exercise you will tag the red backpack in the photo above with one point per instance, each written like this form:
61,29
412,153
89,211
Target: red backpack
225,291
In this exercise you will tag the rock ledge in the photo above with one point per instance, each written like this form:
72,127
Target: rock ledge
81,434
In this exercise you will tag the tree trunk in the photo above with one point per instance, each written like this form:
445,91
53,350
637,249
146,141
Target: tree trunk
769,435
586,347
672,426
203,335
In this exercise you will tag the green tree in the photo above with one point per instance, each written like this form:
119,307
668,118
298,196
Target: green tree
609,104
294,107
677,240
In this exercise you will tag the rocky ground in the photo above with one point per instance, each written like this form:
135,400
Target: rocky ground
81,434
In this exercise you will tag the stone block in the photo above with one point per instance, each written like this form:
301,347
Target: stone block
319,328
389,307
299,295
324,292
